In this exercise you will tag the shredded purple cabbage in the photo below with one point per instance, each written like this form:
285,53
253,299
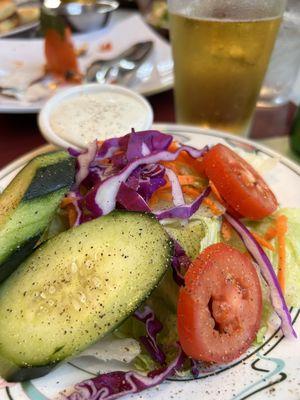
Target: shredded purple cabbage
195,369
148,186
180,263
184,211
143,143
73,152
147,179
84,160
134,145
268,273
131,200
110,146
151,178
177,194
114,385
105,194
125,172
153,327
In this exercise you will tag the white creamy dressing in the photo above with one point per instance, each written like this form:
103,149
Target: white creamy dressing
85,117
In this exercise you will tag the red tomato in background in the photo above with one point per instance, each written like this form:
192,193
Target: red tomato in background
60,53
219,308
241,187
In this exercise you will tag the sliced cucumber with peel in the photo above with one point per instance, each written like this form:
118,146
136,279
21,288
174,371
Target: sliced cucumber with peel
28,205
76,288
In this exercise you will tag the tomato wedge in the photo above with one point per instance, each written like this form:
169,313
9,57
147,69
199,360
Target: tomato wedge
219,308
241,187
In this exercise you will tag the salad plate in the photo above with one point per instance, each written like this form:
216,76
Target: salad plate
269,370
20,64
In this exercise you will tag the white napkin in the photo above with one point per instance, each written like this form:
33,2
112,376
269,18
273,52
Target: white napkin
21,76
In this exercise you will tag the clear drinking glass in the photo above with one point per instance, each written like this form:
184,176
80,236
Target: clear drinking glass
221,51
285,61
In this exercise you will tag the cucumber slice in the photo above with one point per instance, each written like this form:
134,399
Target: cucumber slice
28,204
77,287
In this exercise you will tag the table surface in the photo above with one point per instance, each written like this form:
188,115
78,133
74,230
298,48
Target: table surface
20,134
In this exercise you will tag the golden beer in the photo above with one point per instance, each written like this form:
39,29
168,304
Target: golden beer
219,68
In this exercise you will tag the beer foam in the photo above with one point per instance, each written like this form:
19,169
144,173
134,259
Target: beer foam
228,10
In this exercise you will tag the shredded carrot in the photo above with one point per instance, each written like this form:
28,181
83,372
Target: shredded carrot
173,146
162,191
160,194
191,191
68,204
184,160
66,201
195,164
171,165
187,180
183,163
184,180
262,241
105,161
281,224
72,215
279,230
271,233
226,230
213,207
216,193
167,196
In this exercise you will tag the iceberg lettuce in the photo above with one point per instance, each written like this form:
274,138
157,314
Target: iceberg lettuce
292,292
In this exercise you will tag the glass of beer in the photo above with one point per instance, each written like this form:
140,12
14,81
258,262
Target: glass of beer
221,51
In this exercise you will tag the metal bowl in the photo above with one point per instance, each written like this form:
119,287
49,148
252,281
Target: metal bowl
88,17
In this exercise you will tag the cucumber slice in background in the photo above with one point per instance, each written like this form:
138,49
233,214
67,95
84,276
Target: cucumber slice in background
77,287
29,203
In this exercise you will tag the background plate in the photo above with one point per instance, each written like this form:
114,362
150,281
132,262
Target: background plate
26,56
19,29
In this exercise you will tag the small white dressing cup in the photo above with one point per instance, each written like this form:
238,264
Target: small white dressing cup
78,115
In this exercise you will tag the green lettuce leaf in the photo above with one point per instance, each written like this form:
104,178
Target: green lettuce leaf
267,311
292,292
213,232
189,236
199,233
